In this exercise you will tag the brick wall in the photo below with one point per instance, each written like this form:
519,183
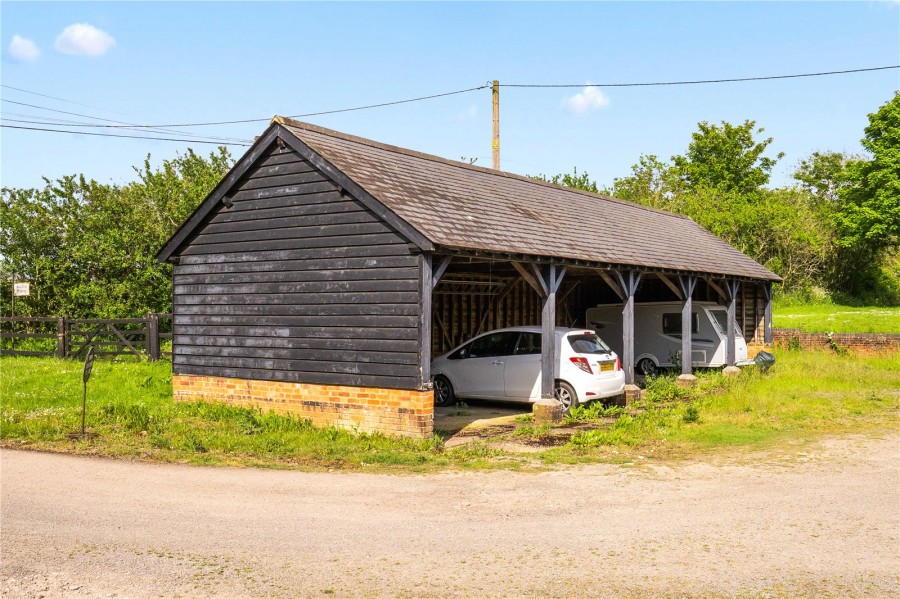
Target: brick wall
860,343
391,411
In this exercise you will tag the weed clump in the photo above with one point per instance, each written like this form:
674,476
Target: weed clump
593,411
665,389
691,414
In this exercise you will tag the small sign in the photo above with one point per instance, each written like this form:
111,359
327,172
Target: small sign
20,289
88,364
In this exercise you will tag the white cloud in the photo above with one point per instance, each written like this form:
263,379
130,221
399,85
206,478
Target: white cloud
23,49
469,113
84,40
590,98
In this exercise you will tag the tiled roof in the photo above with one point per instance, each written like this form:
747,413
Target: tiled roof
467,207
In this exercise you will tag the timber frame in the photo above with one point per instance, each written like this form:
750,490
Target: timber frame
317,243
541,275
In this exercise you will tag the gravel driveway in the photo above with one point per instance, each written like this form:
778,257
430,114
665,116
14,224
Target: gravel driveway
824,523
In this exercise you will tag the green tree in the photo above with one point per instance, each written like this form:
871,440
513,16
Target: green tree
89,248
652,182
825,176
870,215
727,158
575,180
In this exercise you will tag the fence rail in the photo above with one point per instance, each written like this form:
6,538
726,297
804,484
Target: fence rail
64,337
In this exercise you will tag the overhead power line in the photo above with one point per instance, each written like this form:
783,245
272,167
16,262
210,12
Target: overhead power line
701,81
116,123
26,91
218,143
297,116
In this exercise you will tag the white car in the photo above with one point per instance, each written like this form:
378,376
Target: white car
506,364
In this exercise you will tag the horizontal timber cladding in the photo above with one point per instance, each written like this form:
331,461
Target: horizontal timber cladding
297,282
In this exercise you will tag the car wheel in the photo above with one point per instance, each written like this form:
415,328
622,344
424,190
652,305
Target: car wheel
647,367
443,392
565,394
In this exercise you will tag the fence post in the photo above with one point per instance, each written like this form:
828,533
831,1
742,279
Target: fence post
61,349
153,336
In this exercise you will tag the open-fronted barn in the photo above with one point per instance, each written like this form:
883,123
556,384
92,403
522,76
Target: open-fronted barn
325,270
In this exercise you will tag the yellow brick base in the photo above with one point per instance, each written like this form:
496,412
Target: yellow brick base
364,409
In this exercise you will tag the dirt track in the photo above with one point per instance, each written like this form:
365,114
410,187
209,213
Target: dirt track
823,524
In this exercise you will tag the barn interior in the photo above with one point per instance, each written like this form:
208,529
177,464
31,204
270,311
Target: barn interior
475,295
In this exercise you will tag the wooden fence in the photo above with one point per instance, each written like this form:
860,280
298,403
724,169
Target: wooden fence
71,337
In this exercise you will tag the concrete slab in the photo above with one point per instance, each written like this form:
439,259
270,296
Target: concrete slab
476,419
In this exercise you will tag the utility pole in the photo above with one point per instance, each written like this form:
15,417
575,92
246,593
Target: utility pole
495,142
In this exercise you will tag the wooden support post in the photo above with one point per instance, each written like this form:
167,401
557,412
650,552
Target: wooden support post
153,336
426,283
629,282
731,289
550,278
495,140
687,283
548,340
548,408
744,313
61,337
767,317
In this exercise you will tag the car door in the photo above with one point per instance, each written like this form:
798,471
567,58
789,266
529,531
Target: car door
481,371
522,374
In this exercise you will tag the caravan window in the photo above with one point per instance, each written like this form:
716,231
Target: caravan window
721,319
672,323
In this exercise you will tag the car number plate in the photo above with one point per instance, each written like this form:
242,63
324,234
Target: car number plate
607,366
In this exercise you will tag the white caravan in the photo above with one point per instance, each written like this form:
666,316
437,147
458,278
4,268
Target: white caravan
657,334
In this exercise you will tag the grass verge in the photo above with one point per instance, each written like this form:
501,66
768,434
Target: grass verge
836,318
131,414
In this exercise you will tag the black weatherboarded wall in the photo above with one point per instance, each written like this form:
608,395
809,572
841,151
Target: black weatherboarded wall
296,281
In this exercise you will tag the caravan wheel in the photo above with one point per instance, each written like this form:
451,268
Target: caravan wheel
647,367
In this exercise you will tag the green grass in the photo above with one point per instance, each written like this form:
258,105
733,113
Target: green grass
131,414
836,318
805,396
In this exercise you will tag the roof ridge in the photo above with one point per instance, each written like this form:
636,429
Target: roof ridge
455,163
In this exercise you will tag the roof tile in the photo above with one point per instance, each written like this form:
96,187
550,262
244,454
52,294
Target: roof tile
462,206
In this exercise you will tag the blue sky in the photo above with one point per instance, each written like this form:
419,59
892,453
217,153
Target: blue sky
159,63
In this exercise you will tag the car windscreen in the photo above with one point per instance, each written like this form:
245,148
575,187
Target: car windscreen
721,318
588,344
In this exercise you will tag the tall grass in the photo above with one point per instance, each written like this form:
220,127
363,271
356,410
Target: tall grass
806,394
131,414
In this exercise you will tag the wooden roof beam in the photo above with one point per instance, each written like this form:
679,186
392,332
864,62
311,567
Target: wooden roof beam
612,284
671,285
440,270
715,286
529,278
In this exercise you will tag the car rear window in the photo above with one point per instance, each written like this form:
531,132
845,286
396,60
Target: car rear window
588,344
